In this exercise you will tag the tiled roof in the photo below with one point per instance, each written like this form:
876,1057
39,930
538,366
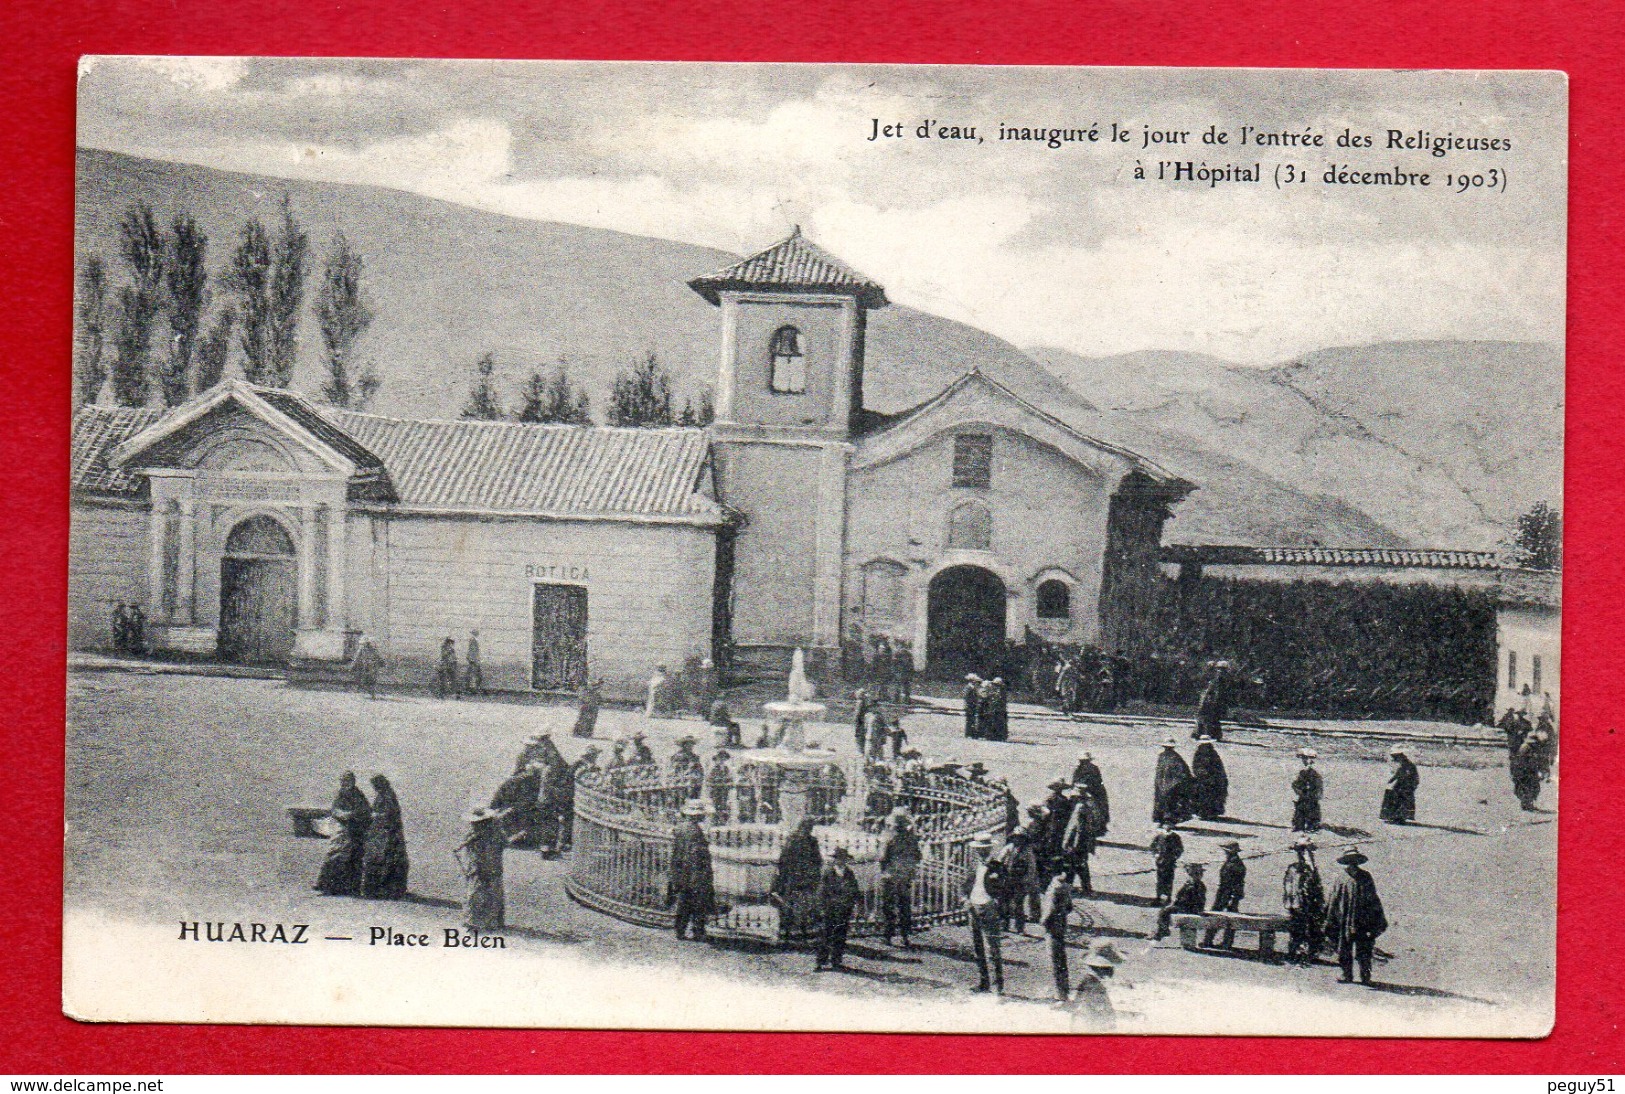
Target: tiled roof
1332,556
552,469
310,418
793,265
97,430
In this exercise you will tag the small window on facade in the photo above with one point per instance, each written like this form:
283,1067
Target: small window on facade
1512,670
970,528
1054,600
1534,674
973,459
789,373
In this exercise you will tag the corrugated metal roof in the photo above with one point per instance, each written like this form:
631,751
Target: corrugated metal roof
1405,558
556,469
97,430
793,265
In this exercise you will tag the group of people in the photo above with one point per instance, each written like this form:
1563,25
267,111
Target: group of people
535,806
692,691
453,678
987,709
1200,788
367,856
883,666
1531,750
129,628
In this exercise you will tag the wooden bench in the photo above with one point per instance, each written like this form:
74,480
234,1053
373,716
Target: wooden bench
1264,925
305,818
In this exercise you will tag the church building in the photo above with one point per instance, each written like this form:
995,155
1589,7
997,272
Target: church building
254,525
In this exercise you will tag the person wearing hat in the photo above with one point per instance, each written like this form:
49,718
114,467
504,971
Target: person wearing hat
1399,797
1091,1001
661,688
1305,902
838,895
862,704
794,888
1232,887
973,705
1210,783
365,666
1060,803
1025,881
1166,849
1307,788
1354,916
984,890
473,673
1212,707
588,700
642,754
687,770
1054,909
1078,841
1086,776
900,857
480,856
518,802
996,710
719,781
1190,900
691,887
445,677
1170,801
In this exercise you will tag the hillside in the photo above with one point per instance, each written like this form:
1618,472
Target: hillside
1288,456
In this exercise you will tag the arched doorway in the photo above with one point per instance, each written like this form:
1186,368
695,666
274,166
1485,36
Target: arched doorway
965,622
258,593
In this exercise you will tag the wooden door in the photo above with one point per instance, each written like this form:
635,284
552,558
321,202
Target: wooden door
257,603
559,639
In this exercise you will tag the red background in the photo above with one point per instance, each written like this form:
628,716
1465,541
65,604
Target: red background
36,225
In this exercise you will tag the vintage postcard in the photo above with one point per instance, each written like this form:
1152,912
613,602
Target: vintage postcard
815,547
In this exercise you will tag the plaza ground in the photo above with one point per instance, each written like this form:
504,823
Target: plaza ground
178,787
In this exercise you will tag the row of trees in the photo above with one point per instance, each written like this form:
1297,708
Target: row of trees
642,396
164,333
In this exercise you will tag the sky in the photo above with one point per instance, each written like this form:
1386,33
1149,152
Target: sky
1043,246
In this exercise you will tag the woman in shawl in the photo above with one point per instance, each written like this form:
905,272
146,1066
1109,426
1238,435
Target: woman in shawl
590,699
383,862
341,870
516,799
1399,799
1171,792
795,883
480,856
1210,784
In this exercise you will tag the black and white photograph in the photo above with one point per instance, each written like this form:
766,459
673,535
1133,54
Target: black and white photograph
815,547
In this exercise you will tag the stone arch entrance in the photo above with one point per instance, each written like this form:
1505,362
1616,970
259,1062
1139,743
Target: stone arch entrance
258,593
965,621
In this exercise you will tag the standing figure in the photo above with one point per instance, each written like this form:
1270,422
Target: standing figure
691,888
896,739
899,863
588,700
1232,887
642,755
1307,787
341,869
556,805
1067,687
721,717
658,704
1305,903
474,672
993,716
480,856
984,896
1399,798
852,654
445,677
1060,803
973,705
719,781
1053,911
904,661
1530,767
1078,841
1024,881
365,667
121,628
882,678
1210,709
1354,917
384,864
862,705
1105,687
687,770
1166,849
838,895
795,882
1190,900
518,803
1210,783
138,629
703,689
1086,776
1170,802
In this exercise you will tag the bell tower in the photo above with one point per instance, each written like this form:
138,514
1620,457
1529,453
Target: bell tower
789,396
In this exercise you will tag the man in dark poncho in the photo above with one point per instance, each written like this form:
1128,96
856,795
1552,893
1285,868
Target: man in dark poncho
1166,849
795,883
1354,917
691,890
1190,900
1211,709
1086,777
1307,788
1210,784
384,863
341,870
1305,902
838,895
995,711
900,857
1051,856
973,705
1531,766
518,800
589,700
1399,798
1170,803
1232,888
1078,841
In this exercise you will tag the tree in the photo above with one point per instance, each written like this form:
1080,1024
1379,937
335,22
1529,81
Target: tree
249,278
186,281
141,243
704,415
642,395
289,259
555,398
1537,543
90,342
213,350
344,316
483,403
